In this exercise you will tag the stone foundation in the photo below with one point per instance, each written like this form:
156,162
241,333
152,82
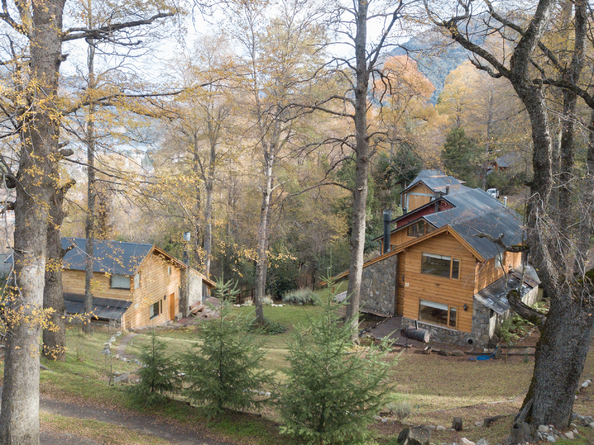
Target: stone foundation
378,286
485,322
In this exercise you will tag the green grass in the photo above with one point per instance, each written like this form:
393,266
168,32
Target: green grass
437,388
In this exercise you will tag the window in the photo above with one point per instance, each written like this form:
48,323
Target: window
137,280
119,282
168,270
438,313
155,309
440,265
419,228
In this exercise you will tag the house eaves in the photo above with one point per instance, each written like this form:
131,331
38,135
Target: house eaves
420,239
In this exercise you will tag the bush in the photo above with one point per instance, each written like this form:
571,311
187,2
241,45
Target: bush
401,409
269,327
159,375
332,390
267,300
224,370
301,296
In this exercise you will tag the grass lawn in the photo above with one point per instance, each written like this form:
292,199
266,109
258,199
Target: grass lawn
434,389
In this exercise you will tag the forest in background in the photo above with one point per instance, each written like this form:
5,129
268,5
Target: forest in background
192,162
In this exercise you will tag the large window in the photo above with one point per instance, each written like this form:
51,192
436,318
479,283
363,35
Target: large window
440,265
155,309
419,228
120,282
438,313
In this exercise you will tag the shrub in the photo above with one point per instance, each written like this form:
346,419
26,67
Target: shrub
401,409
269,327
267,300
332,390
159,375
301,296
224,369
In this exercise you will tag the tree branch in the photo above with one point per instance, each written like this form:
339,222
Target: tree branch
103,32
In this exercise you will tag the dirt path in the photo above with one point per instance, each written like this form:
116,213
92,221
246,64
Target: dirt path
141,423
121,349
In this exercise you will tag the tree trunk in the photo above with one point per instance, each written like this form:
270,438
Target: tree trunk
488,142
90,221
262,263
559,361
19,417
209,186
362,170
54,338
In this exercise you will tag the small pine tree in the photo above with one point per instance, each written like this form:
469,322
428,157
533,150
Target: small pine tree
457,154
159,376
224,371
333,392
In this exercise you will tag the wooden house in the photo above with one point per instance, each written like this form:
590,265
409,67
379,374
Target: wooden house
440,272
134,284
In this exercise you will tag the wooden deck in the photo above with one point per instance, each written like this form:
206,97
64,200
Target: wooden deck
390,327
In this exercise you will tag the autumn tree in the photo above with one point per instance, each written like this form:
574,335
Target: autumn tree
279,53
555,238
38,113
489,112
351,25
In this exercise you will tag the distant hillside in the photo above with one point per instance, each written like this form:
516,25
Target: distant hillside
435,55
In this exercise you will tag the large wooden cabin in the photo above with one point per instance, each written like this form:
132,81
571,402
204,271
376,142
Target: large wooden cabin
441,271
134,284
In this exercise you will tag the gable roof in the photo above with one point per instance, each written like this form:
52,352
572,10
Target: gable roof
113,257
476,212
436,180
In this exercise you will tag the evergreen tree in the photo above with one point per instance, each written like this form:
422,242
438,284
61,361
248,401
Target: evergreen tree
159,375
224,370
457,155
332,391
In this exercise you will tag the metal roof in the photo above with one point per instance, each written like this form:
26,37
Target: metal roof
113,257
103,308
476,212
494,296
436,180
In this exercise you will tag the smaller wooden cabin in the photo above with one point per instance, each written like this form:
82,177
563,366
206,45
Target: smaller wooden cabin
134,284
427,186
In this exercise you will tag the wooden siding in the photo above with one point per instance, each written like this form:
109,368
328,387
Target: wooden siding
413,199
155,285
73,281
418,286
486,273
400,283
400,237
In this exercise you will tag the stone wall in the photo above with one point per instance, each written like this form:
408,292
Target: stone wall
378,286
484,324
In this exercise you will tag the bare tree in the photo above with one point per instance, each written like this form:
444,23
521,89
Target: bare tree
553,238
38,122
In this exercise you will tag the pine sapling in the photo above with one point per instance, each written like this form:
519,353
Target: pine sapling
334,388
160,375
224,370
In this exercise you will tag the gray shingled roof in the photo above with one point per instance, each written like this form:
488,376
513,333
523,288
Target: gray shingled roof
436,180
475,212
103,308
494,296
113,257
